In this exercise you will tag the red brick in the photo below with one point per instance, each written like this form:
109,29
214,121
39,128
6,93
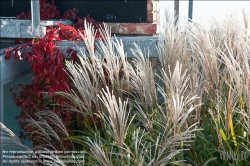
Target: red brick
138,28
153,6
150,17
153,17
150,6
114,27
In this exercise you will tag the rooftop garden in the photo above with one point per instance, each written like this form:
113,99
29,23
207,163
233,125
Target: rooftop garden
101,108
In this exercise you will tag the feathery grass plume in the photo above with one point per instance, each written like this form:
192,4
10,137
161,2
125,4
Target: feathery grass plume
99,154
51,135
198,64
115,61
166,140
244,47
176,44
110,49
87,73
54,121
123,56
89,39
117,118
144,117
48,128
204,50
167,146
83,75
119,144
172,45
232,54
217,117
101,69
10,142
222,51
52,160
244,138
176,96
40,154
142,79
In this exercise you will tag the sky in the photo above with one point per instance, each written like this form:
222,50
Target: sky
204,10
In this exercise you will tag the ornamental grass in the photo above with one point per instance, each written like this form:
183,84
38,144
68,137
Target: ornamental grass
194,107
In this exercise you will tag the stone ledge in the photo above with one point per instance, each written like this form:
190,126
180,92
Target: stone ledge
146,43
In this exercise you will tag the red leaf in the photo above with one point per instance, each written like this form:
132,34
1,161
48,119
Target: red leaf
8,52
16,55
53,56
74,56
12,87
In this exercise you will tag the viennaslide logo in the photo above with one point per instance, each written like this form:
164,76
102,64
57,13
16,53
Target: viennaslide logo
233,155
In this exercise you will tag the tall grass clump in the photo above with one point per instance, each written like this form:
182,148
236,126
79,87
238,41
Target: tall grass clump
194,110
119,102
222,53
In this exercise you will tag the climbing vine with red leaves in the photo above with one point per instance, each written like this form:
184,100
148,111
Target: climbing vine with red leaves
48,65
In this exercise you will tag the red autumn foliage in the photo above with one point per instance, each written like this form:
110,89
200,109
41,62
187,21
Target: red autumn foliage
48,65
48,11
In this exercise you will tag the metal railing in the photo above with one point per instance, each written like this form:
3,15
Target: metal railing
35,17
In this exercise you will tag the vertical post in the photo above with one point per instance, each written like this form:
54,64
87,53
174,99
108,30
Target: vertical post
190,10
176,8
35,16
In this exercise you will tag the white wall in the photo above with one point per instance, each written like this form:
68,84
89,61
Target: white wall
203,10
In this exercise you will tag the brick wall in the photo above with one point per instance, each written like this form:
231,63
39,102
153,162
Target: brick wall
149,28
